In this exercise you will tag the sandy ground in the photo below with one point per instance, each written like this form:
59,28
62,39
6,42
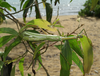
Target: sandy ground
51,58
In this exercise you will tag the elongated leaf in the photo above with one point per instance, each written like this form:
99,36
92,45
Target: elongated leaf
5,39
37,11
40,59
65,59
76,46
49,11
21,66
77,61
37,49
94,3
1,65
71,1
55,22
8,31
22,1
33,31
74,58
88,53
13,71
58,25
1,53
56,2
1,17
58,46
29,74
12,45
51,1
44,3
26,10
41,23
7,5
37,52
26,4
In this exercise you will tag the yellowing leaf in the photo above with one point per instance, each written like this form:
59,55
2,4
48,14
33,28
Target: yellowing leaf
88,54
41,23
44,4
10,10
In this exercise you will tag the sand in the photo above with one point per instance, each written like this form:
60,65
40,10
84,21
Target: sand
51,58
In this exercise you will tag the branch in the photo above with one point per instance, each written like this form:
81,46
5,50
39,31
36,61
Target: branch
14,19
75,29
44,68
25,8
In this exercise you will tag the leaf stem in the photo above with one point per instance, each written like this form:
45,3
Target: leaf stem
44,68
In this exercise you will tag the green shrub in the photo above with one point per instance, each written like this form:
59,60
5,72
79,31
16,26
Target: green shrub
86,11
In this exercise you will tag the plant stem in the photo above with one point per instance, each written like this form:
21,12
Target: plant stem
25,8
44,68
73,37
76,29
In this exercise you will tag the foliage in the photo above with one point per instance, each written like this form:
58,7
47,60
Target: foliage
88,10
72,49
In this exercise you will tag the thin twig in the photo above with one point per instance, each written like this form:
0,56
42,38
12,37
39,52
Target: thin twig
7,16
8,13
14,19
44,51
49,45
57,15
38,9
25,8
75,29
44,68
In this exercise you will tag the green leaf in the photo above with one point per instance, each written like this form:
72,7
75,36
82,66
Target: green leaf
37,11
11,46
33,31
1,65
21,66
13,71
37,49
58,46
55,22
77,61
22,1
49,11
58,25
1,17
76,46
5,39
88,53
40,59
94,3
71,1
29,74
74,58
41,23
9,31
57,1
65,59
51,1
7,5
37,54
26,4
1,53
